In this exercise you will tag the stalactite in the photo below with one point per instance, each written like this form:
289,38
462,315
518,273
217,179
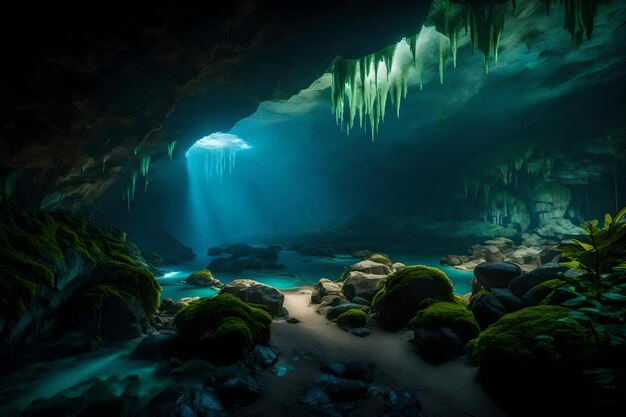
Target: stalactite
105,158
170,148
144,164
136,149
133,185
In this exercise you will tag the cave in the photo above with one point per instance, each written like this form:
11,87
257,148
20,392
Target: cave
313,208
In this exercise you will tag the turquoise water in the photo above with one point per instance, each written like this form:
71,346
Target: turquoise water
299,270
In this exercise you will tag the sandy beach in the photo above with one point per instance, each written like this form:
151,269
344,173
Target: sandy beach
449,389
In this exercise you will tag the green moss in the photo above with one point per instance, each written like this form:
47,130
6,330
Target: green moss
354,317
475,297
461,301
204,277
132,280
400,295
380,259
222,328
535,352
93,298
448,314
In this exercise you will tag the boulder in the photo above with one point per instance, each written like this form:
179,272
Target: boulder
342,390
203,278
154,347
362,301
239,390
360,331
352,318
335,312
525,255
402,293
524,283
510,302
560,227
323,288
118,318
186,398
315,396
329,302
437,345
370,267
265,356
502,243
496,274
489,253
359,284
360,370
254,292
398,266
451,260
488,309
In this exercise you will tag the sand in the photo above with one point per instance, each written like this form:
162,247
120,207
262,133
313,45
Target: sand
449,389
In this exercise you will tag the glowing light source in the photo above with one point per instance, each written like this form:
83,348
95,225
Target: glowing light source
219,151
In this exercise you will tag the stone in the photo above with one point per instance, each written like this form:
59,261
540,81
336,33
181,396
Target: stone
336,368
437,345
323,380
360,300
240,390
323,288
186,398
251,291
524,283
404,403
398,266
559,228
293,320
359,284
502,243
488,309
489,253
370,267
265,356
334,312
360,331
342,390
450,260
510,302
315,396
496,274
525,255
329,302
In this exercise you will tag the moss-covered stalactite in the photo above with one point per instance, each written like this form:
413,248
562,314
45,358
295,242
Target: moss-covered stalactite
361,87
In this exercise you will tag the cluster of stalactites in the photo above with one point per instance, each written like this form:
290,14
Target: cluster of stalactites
362,87
579,17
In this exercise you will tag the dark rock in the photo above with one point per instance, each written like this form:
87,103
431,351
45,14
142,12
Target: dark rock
488,309
360,300
360,331
536,295
238,391
496,274
437,345
329,302
342,390
510,302
194,368
521,285
362,285
334,312
404,403
245,258
323,288
117,320
188,398
265,356
293,320
369,267
155,346
487,252
323,380
450,260
337,369
361,370
315,396
257,293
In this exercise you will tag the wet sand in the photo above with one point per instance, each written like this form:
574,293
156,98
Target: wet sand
449,389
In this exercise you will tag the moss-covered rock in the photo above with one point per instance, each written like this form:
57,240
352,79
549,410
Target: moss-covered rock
222,329
379,258
352,318
535,354
401,293
47,259
475,297
203,278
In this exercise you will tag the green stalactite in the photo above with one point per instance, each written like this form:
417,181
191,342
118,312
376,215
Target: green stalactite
170,148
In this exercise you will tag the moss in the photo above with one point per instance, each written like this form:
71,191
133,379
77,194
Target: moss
537,352
132,280
475,297
33,250
204,277
380,259
354,317
222,329
461,301
93,298
400,295
448,314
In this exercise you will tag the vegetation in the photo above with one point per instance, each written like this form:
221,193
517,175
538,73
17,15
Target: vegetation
222,329
37,249
203,278
355,317
400,295
380,259
447,314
